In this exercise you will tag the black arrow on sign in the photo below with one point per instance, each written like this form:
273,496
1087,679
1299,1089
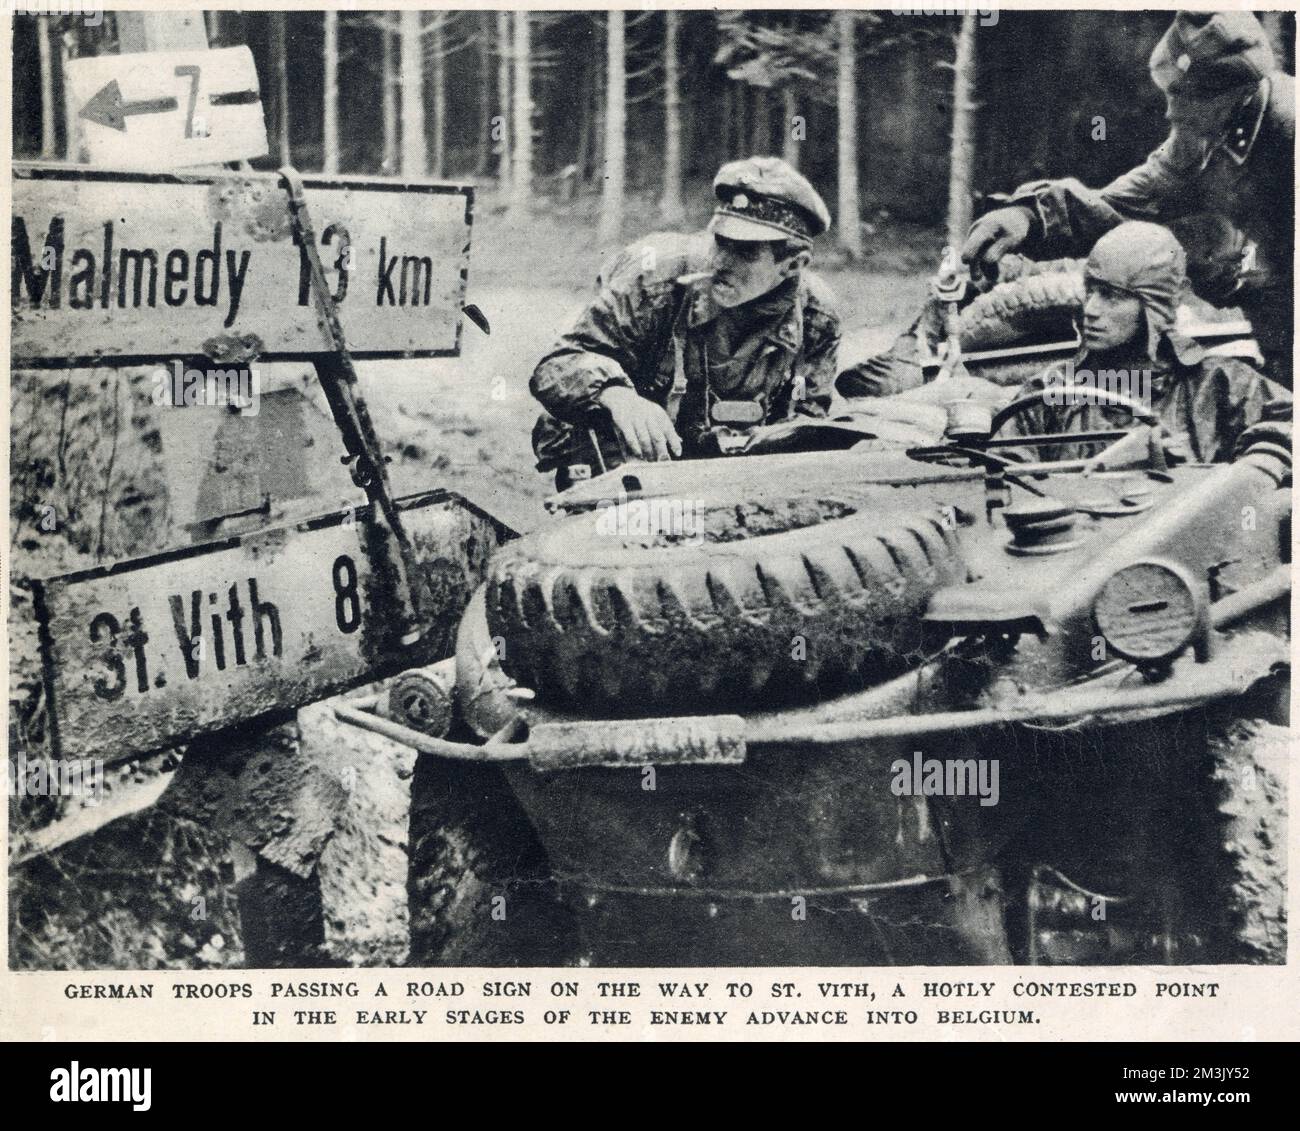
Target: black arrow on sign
106,108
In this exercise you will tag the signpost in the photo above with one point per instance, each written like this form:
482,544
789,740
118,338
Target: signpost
168,109
211,644
143,654
137,268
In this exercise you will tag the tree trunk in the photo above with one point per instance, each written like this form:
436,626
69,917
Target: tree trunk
791,131
438,79
280,69
962,158
330,112
414,153
761,139
740,143
71,131
582,147
389,99
610,228
850,223
502,117
670,204
49,129
484,150
728,113
598,114
521,175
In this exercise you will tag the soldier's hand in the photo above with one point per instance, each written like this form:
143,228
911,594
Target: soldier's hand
644,427
992,236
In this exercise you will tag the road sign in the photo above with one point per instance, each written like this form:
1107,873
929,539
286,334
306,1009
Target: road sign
126,267
142,654
169,109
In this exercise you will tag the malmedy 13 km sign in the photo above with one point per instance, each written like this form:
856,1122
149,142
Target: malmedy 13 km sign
137,266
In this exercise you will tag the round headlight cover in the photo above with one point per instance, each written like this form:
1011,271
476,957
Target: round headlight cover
1150,611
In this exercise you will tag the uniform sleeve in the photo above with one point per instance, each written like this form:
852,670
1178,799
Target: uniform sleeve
1216,403
896,370
818,368
1246,398
1070,217
600,349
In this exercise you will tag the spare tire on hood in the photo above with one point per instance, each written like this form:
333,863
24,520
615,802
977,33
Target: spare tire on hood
1034,302
726,602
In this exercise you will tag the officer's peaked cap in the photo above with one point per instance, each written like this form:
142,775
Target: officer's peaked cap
765,198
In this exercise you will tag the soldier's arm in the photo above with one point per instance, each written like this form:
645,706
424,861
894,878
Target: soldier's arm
601,349
1252,407
1068,217
886,374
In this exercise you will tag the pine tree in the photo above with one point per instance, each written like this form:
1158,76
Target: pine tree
521,173
49,138
411,85
962,159
330,110
850,222
610,229
670,203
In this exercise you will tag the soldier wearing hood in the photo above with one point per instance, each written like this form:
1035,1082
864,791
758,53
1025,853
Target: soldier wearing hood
684,321
1134,278
1223,180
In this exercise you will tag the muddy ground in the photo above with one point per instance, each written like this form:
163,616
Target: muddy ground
150,891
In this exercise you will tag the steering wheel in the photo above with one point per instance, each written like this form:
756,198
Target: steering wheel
1141,412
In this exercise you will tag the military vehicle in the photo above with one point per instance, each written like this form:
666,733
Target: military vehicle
892,688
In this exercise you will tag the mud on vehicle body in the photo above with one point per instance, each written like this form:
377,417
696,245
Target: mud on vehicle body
711,745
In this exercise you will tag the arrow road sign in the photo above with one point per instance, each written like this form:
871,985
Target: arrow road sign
165,110
106,108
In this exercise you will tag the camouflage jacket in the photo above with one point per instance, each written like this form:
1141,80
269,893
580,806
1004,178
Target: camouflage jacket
1204,400
666,339
1246,178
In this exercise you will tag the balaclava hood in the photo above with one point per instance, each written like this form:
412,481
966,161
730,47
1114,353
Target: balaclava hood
1146,261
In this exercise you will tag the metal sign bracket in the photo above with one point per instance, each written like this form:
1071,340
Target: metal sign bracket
336,371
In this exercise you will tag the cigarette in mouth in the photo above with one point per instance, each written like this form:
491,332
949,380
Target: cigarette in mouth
687,280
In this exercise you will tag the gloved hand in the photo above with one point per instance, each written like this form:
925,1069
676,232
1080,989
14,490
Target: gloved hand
644,426
995,234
